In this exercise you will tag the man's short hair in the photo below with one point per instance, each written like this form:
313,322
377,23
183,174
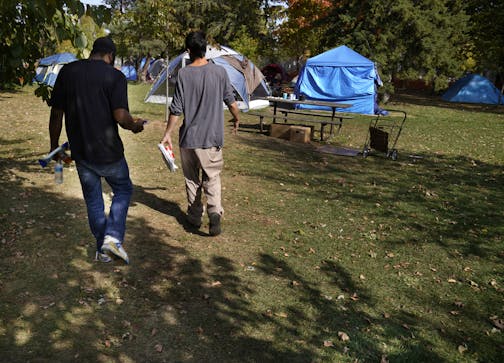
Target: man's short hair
196,43
103,45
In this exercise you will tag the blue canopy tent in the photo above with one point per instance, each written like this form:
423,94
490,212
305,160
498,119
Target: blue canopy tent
473,88
49,67
340,75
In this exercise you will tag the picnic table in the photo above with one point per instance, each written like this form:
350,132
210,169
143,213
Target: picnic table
284,109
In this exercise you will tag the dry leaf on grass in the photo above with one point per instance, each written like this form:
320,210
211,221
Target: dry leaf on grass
328,343
498,323
459,304
343,336
462,348
158,348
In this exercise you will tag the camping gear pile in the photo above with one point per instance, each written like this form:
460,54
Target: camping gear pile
247,80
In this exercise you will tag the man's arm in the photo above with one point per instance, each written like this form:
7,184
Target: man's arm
126,121
235,111
55,126
172,122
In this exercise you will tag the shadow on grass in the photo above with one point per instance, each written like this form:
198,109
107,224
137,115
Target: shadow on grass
452,203
171,306
58,305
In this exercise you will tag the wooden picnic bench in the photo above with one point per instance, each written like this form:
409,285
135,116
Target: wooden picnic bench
288,112
303,117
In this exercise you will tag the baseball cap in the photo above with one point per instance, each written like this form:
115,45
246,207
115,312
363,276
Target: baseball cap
104,45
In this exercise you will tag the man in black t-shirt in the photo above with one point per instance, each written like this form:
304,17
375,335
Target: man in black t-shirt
92,95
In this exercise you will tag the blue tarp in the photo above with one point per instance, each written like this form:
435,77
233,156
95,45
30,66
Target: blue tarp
340,75
473,88
49,67
60,58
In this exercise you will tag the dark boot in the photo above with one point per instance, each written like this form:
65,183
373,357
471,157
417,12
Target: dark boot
215,224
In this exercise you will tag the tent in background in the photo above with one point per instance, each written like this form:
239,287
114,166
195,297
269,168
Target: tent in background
340,75
48,67
247,80
473,88
130,72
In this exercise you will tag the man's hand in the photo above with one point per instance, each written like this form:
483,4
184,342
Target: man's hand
235,111
235,126
138,125
167,140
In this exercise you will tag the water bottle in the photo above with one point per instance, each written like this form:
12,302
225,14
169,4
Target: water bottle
58,173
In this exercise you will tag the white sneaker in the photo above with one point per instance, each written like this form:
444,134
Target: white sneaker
113,247
102,257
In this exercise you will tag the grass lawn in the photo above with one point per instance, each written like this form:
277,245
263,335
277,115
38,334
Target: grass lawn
323,258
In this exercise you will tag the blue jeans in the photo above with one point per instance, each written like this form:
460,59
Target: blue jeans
117,176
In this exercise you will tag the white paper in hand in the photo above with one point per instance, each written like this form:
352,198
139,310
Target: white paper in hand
168,157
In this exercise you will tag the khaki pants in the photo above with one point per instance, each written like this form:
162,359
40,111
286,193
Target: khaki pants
208,163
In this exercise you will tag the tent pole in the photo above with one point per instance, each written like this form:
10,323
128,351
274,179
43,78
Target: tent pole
167,111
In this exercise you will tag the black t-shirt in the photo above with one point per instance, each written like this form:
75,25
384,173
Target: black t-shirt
88,91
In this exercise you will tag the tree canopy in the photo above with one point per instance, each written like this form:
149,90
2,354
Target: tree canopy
435,40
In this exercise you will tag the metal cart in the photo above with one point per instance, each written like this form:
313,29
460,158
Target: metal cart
384,132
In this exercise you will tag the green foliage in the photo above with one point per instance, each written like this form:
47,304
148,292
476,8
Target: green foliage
152,27
487,20
34,29
406,38
246,45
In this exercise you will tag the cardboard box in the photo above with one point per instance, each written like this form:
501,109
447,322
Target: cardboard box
281,131
300,134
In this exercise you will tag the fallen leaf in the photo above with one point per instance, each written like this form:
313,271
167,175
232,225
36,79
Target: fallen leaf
405,326
459,304
281,315
153,332
158,348
498,323
328,343
199,330
462,348
215,283
386,315
362,277
343,336
354,297
454,312
107,343
452,281
384,359
295,283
